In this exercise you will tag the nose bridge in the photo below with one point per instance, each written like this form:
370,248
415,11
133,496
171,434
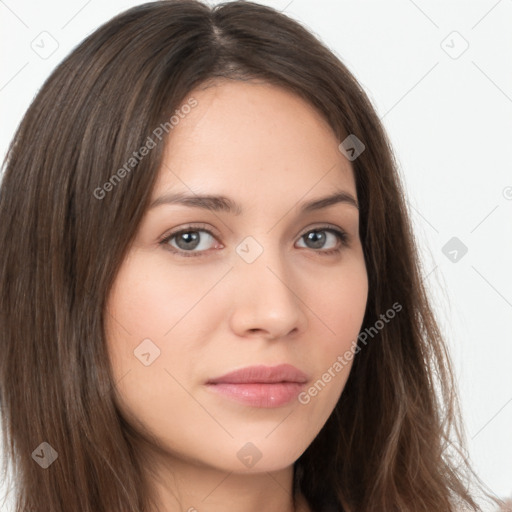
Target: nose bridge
265,262
266,299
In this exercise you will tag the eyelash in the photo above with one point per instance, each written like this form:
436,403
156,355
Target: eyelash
342,236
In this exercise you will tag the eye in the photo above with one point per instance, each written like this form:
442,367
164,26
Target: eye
318,238
193,240
197,240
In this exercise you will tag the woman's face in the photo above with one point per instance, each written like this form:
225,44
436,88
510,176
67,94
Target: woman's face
267,282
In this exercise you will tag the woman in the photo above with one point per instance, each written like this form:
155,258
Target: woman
211,297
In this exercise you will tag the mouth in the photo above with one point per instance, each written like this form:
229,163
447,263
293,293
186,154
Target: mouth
260,386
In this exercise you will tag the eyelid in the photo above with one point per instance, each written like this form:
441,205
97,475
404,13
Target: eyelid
199,226
323,226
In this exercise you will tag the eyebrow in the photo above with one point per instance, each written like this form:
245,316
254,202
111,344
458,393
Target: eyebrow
218,203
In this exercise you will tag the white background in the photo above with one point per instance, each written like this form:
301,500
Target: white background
448,113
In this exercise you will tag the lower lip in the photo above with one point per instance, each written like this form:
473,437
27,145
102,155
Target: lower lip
259,394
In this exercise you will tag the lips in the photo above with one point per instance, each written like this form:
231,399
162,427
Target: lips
262,374
260,386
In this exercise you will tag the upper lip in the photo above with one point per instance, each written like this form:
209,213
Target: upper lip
262,374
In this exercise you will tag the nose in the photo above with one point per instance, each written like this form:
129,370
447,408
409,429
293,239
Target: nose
267,301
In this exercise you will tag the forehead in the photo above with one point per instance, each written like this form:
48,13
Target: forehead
253,140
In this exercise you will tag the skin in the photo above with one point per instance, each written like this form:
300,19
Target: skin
212,313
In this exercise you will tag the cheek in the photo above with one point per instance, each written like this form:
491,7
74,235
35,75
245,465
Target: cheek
158,322
340,304
149,300
339,307
343,305
159,312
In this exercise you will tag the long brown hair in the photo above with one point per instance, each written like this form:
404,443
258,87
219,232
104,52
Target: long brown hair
64,234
